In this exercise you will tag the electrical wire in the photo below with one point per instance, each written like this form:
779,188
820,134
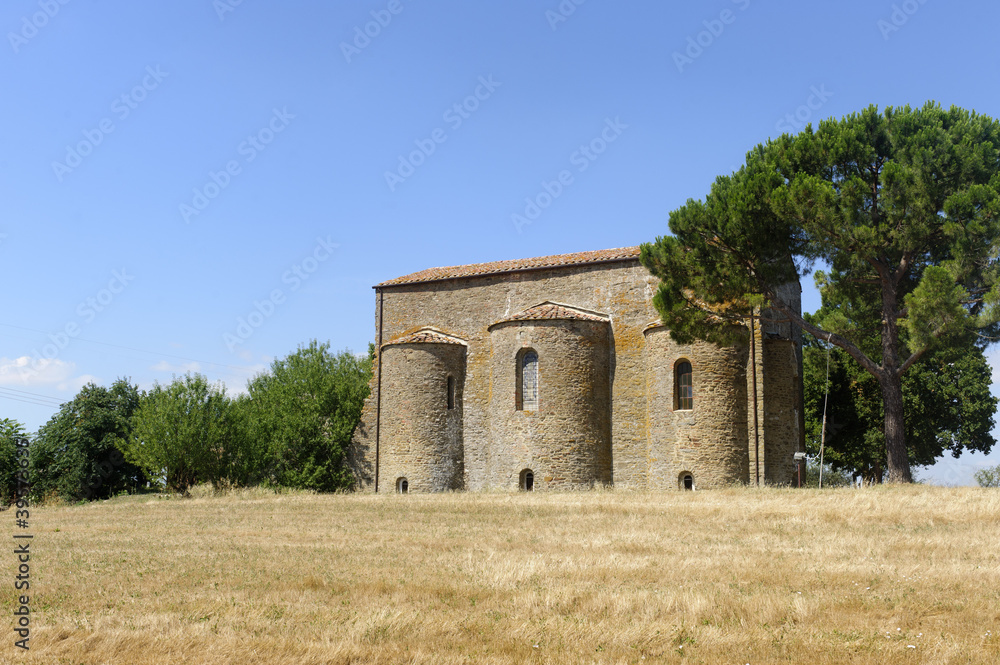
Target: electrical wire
29,401
25,395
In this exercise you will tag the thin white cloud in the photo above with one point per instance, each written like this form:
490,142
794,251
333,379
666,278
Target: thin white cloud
28,371
53,375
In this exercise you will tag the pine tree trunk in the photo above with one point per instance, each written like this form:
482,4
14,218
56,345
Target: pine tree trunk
897,459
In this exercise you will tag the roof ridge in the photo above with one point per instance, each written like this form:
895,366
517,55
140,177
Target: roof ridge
427,335
562,305
515,265
550,310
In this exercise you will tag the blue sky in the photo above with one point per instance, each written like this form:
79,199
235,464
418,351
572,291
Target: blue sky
204,185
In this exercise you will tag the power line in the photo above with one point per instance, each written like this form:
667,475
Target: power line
30,398
49,397
28,401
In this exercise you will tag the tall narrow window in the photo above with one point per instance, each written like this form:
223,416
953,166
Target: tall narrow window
527,480
528,372
451,392
402,485
684,387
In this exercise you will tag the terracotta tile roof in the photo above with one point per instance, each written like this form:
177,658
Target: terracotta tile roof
516,265
553,310
426,336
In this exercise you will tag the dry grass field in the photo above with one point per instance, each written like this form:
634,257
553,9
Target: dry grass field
883,575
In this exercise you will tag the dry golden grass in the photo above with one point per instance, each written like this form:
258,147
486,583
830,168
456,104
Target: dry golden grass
882,575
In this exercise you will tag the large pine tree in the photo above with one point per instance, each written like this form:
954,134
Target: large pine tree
904,208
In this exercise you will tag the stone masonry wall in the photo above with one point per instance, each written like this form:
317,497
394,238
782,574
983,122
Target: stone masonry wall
782,394
623,290
566,442
421,437
779,390
708,441
467,307
756,450
781,421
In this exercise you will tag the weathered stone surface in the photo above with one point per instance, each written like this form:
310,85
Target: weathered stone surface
566,442
606,403
422,440
709,440
782,409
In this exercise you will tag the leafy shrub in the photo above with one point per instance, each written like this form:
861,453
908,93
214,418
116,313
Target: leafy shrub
10,432
304,410
988,477
75,454
185,433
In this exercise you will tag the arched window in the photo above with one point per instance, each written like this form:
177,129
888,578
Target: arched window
527,480
527,381
402,485
683,386
686,481
451,392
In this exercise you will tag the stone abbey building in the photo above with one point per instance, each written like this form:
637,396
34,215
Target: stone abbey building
556,373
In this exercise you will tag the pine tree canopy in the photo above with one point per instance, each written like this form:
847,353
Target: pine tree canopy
901,206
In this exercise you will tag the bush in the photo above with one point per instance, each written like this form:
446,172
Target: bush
186,433
303,412
10,432
75,454
988,477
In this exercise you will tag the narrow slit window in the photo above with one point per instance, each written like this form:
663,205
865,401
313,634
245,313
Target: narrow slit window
529,381
685,386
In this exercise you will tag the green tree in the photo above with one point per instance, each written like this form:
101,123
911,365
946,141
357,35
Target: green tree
185,433
949,408
988,477
75,454
902,205
304,410
11,432
249,463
